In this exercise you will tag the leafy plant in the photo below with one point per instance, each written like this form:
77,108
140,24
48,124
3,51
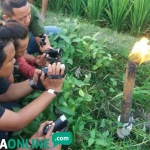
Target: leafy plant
139,17
92,92
120,15
118,12
96,10
75,7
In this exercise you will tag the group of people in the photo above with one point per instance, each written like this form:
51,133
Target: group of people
19,38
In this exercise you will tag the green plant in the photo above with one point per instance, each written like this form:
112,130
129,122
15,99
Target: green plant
92,92
96,10
38,3
59,5
139,17
75,7
118,12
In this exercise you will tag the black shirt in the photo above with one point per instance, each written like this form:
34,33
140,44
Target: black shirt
2,110
4,85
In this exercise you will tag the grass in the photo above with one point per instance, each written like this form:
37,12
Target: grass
96,10
92,101
118,12
131,16
140,19
107,104
111,36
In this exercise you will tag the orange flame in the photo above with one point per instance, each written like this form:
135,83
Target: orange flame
140,52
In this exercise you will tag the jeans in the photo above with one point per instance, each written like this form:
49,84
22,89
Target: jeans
33,46
7,105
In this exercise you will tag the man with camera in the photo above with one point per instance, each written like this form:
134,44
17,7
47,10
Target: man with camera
27,15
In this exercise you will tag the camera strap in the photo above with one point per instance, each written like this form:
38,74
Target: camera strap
56,76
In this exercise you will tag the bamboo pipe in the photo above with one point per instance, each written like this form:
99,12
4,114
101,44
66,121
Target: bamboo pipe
127,92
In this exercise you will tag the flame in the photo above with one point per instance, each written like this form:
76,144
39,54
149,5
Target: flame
140,52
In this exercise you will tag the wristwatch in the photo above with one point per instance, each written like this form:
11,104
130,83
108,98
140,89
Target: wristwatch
52,91
31,83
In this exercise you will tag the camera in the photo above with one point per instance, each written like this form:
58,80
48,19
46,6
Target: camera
53,53
54,56
40,86
45,70
42,40
60,124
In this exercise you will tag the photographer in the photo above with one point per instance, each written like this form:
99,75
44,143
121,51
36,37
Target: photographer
12,92
27,15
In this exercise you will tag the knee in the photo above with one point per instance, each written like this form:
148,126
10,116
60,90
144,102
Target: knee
52,29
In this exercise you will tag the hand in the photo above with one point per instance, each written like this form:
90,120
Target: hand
40,136
42,49
55,84
48,136
39,133
10,78
37,73
41,61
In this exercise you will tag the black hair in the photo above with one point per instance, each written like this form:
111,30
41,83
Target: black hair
2,53
10,31
8,5
13,30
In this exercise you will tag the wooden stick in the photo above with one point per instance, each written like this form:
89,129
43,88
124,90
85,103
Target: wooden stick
127,92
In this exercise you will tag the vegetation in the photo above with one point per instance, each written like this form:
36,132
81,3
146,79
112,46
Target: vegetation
95,60
132,16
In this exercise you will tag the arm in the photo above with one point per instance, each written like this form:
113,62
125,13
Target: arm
20,119
36,27
44,7
10,78
26,69
30,1
29,58
23,117
16,91
38,60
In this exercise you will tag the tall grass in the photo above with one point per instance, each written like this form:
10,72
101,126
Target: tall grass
76,7
140,17
118,11
96,10
121,15
59,4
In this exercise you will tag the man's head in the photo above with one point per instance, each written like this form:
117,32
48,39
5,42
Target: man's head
18,10
13,42
7,52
